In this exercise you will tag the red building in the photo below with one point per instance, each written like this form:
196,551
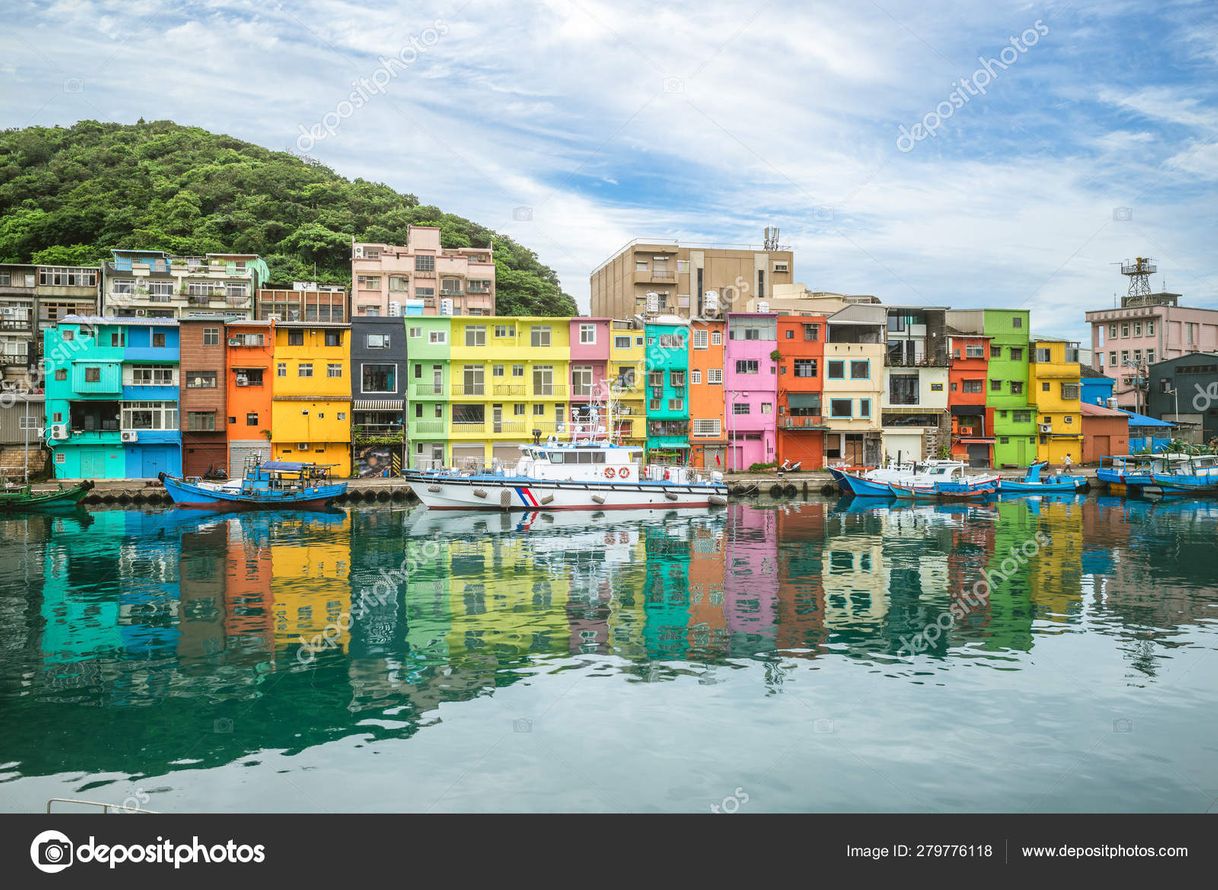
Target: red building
801,426
972,421
1105,432
204,443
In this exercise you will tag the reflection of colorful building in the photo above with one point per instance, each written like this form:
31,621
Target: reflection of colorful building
316,556
708,631
801,424
750,585
248,598
751,370
666,592
1055,575
800,536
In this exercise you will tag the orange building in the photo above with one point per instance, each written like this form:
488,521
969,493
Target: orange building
972,420
707,436
251,347
801,428
1105,432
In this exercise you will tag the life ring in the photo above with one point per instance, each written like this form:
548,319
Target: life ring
667,474
610,472
625,472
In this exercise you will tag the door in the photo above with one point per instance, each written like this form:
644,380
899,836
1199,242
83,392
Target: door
979,455
497,418
92,464
852,450
1102,446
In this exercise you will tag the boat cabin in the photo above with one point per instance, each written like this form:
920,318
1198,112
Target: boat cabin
579,460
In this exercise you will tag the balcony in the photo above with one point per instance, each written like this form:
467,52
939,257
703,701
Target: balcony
428,427
552,391
14,324
509,389
937,360
427,389
451,292
460,391
468,429
808,422
654,275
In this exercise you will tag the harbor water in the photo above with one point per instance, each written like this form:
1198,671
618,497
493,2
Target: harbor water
1034,654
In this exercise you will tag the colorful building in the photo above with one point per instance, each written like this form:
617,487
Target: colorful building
972,437
154,284
801,424
707,364
421,277
311,398
112,397
428,408
667,390
1096,388
1054,380
203,396
751,370
589,376
854,384
1105,432
627,367
913,408
378,394
249,363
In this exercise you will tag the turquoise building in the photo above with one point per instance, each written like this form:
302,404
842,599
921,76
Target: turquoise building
112,397
668,391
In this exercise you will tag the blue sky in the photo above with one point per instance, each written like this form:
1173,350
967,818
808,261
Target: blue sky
708,121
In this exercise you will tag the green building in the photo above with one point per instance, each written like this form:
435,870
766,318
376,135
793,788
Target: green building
668,391
427,408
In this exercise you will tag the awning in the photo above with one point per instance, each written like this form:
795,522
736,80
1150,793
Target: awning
378,404
968,410
975,440
803,400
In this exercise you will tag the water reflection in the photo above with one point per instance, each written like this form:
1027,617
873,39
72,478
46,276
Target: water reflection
137,642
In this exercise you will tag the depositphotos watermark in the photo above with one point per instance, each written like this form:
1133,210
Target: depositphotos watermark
1017,557
968,87
364,88
52,851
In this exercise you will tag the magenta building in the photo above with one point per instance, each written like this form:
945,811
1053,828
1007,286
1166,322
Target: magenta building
751,388
589,367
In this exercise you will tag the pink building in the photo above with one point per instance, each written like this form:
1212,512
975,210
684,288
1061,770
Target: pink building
751,388
589,365
421,277
1147,328
750,581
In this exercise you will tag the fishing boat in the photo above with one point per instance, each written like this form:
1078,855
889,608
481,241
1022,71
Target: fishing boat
944,480
23,497
1198,474
1034,483
580,475
264,485
1129,473
873,482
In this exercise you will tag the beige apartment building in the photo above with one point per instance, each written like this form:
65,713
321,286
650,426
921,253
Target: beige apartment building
421,277
680,275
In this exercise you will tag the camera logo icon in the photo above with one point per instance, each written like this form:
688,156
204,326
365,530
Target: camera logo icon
51,851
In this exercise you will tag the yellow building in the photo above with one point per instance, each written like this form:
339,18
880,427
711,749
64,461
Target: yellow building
1053,378
312,568
627,354
311,401
508,380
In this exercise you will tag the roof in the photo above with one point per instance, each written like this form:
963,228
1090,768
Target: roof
114,319
1136,419
1187,357
1090,372
1090,410
956,332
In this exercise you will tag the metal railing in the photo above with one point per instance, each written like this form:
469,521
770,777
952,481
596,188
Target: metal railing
807,422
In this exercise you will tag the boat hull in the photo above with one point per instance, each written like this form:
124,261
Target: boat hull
1009,486
63,499
452,492
186,494
860,487
1181,484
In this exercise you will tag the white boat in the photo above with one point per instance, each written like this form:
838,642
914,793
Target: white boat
570,476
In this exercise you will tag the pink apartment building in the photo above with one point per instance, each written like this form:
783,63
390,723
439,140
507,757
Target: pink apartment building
1147,328
750,582
421,277
751,384
589,364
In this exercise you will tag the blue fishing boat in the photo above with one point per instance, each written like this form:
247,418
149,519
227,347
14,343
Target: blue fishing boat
944,480
1033,483
1197,474
264,485
1130,473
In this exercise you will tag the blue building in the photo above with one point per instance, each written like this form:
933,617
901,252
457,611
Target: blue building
112,397
1096,389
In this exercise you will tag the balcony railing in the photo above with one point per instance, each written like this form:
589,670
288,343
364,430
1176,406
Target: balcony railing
475,390
808,422
460,428
509,389
553,390
429,427
14,324
427,389
938,360
451,292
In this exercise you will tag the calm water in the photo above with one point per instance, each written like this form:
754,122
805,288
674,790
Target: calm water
754,659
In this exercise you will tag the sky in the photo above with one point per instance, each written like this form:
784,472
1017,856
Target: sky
937,153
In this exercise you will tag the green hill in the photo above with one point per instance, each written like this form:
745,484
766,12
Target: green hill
70,195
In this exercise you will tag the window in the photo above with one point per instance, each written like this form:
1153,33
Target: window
995,352
475,335
1125,329
540,410
158,339
974,351
860,370
497,370
473,379
399,283
742,408
714,375
518,410
1017,321
1016,353
1044,387
248,376
695,378
539,336
1016,387
517,370
621,342
1112,358
1021,416
811,332
1150,356
701,338
368,282
61,373
334,369
415,332
746,366
587,333
1150,328
640,265
425,263
1112,331
672,341
805,367
334,338
767,407
437,337
676,404
92,375
505,330
716,338
295,338
864,407
201,421
974,386
150,416
707,428
837,369
995,386
69,335
211,336
377,341
543,380
469,414
1137,329
677,378
903,389
200,379
305,369
840,408
379,378
1070,391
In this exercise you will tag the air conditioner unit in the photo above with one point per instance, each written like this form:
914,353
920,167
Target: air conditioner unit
243,381
140,313
129,436
395,308
274,316
59,431
1046,427
358,251
234,341
763,306
446,307
1112,402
